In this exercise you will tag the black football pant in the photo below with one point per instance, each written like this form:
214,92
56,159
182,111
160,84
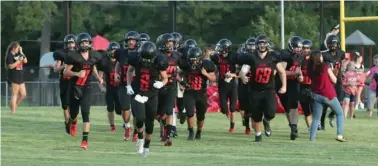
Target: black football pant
195,100
262,104
227,91
290,99
145,113
80,96
305,101
64,87
167,98
112,100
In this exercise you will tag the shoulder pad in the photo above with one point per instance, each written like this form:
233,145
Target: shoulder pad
161,62
208,65
70,58
58,55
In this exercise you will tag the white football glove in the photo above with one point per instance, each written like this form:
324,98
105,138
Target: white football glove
129,90
139,98
145,98
158,84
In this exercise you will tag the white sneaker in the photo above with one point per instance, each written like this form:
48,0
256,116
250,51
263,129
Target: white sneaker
146,152
362,105
139,146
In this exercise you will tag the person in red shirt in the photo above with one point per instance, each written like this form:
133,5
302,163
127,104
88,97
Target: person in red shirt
350,84
324,94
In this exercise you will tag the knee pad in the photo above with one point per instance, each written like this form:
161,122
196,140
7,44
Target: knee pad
269,117
149,127
189,114
200,117
64,107
139,124
109,109
85,116
257,118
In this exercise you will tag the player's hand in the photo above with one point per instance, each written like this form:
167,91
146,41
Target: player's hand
116,77
204,72
182,88
140,98
129,90
158,84
228,75
298,71
81,74
102,88
245,80
300,78
282,90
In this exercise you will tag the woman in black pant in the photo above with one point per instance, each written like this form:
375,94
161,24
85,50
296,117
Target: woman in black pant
14,62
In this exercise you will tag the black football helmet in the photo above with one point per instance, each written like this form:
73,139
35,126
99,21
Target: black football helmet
69,39
148,52
178,39
223,46
295,42
333,42
190,43
84,37
195,57
162,42
143,38
112,46
250,44
131,35
262,43
242,49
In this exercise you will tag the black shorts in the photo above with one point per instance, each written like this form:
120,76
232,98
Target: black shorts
167,99
350,97
64,87
243,96
124,98
15,76
195,100
84,101
145,111
262,104
228,92
290,99
112,100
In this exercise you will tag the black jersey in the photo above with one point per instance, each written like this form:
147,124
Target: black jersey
335,59
145,76
293,62
194,78
79,63
122,56
61,56
262,71
173,61
108,67
225,64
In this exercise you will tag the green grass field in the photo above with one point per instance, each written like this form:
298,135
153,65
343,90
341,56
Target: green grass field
35,136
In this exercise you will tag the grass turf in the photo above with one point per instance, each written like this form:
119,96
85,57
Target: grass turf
36,136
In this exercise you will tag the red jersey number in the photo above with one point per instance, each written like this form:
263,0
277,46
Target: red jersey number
171,70
262,75
292,69
124,72
195,82
223,69
81,81
111,79
144,82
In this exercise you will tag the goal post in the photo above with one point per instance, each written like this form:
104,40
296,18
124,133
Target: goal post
344,19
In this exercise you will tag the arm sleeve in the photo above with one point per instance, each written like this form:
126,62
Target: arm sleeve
10,59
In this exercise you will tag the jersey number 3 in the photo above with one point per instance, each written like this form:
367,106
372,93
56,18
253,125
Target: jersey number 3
262,75
144,82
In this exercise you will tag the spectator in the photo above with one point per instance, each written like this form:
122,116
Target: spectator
14,61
